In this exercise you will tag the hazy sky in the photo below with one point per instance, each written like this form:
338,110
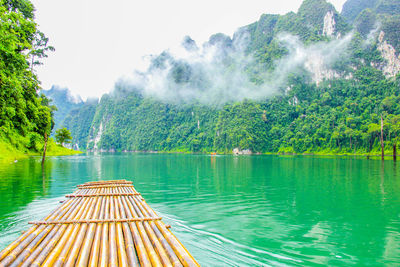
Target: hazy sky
98,41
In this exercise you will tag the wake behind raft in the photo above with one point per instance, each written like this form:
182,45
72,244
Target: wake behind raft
104,223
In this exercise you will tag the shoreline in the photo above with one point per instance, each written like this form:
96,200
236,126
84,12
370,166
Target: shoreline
361,154
13,154
8,153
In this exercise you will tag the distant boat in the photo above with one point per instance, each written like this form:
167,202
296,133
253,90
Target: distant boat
213,153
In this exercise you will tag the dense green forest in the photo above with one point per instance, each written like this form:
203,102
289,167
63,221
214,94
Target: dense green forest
64,101
315,110
25,116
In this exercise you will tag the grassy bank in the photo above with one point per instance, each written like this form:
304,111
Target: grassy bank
8,152
54,149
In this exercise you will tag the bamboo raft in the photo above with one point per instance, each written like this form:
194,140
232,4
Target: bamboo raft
105,223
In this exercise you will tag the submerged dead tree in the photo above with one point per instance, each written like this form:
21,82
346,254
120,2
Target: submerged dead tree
382,147
44,148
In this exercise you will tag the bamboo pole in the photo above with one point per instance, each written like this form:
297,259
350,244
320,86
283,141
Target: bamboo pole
157,245
63,236
104,238
69,244
51,240
94,254
100,195
147,243
74,252
139,245
18,247
129,244
14,244
28,233
112,240
104,186
105,183
69,238
36,256
103,225
171,254
71,221
84,252
183,255
163,248
122,257
162,253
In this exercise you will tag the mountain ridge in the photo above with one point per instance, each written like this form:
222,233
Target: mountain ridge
63,99
338,68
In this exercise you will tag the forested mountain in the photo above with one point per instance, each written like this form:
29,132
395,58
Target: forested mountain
25,117
352,8
64,101
311,81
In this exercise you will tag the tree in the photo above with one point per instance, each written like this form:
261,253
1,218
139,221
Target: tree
39,48
43,126
47,102
23,114
46,121
63,136
394,132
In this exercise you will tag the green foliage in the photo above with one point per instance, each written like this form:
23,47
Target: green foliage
54,149
61,104
352,8
24,116
45,101
40,48
241,125
390,27
313,11
341,115
23,6
365,22
391,7
262,32
370,14
79,121
63,136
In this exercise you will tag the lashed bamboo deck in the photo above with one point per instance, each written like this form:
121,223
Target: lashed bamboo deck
103,223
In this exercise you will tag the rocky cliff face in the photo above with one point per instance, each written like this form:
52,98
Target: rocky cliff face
329,24
319,70
322,52
95,138
98,136
392,65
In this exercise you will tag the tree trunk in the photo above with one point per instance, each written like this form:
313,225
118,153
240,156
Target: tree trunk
32,63
382,154
394,152
370,145
44,148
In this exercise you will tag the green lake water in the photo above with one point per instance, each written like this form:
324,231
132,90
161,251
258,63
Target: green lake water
234,210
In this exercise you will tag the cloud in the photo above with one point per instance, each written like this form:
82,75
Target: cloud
217,73
317,58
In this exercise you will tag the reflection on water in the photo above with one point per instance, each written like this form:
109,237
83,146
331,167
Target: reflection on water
227,210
